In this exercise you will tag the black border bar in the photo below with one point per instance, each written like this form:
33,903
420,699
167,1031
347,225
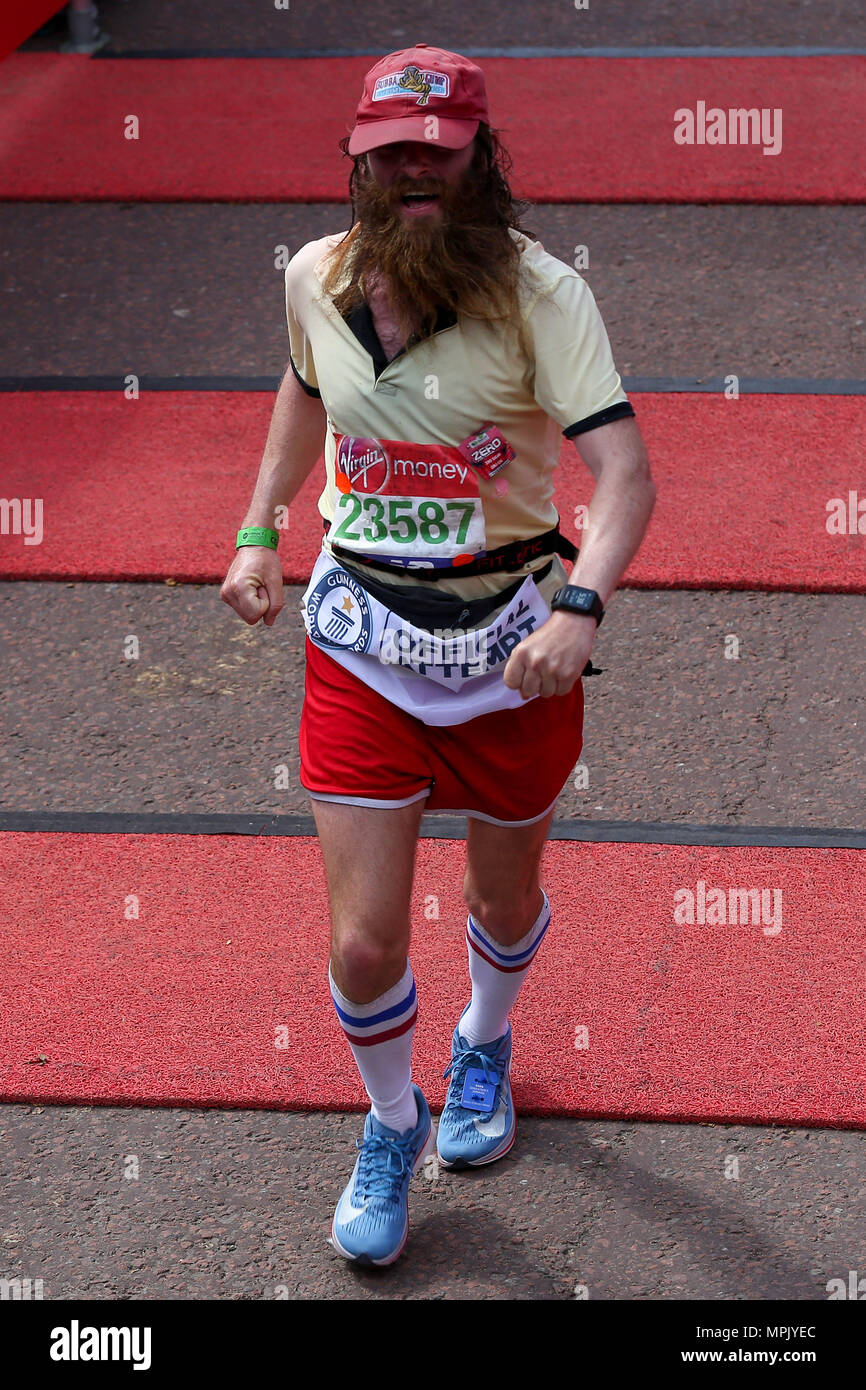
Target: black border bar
755,386
514,51
433,827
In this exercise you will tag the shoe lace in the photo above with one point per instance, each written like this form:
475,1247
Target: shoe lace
384,1162
473,1056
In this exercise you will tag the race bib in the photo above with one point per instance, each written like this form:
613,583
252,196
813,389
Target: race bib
403,502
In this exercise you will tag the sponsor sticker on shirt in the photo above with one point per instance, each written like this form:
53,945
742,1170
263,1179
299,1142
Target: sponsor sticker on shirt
488,450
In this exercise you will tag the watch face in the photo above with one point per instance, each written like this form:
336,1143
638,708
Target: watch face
578,600
581,600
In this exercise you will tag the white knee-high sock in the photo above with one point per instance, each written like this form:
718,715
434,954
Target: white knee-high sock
380,1036
497,972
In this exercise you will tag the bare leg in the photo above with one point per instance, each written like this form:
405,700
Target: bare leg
369,857
500,884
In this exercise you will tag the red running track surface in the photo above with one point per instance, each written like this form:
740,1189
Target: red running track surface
578,129
216,994
157,488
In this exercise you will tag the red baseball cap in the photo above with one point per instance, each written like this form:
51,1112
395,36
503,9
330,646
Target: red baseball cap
405,89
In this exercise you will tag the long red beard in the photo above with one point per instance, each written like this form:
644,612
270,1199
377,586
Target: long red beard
460,260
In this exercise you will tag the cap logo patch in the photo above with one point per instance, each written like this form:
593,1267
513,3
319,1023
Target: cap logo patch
412,79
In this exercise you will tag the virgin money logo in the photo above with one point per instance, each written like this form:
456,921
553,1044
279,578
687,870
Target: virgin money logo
364,462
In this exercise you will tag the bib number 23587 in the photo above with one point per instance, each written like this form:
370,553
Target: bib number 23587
428,525
394,498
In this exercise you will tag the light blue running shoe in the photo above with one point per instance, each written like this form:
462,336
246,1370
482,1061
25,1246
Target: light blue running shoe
371,1223
483,1130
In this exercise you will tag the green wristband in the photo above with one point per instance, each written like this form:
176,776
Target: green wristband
258,535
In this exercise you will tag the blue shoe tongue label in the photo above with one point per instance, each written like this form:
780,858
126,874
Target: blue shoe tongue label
478,1093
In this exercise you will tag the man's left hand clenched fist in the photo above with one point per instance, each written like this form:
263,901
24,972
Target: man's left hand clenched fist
549,661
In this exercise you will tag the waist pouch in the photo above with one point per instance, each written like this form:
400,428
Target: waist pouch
356,617
430,609
512,556
443,677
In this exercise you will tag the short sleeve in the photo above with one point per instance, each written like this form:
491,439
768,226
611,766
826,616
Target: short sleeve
300,351
576,381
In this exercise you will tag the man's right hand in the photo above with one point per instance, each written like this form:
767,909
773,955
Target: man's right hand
253,586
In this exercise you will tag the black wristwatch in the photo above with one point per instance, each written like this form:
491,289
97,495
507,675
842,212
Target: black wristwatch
576,600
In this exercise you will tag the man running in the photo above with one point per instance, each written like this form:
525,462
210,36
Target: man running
442,353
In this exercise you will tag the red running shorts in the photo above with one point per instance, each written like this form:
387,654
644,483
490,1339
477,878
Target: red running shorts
507,767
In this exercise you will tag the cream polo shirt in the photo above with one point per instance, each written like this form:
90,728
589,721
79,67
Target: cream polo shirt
442,389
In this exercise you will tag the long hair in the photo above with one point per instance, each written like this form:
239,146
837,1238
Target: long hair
491,169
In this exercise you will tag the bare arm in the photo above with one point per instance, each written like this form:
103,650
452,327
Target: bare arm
551,659
293,444
253,586
621,505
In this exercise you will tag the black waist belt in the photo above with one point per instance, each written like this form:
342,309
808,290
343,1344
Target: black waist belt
430,609
512,556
